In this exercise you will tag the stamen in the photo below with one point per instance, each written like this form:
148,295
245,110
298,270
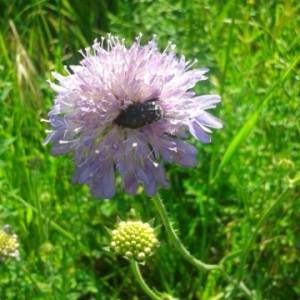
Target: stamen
169,44
102,41
189,64
44,120
66,142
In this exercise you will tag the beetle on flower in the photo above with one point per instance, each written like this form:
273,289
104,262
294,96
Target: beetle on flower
126,110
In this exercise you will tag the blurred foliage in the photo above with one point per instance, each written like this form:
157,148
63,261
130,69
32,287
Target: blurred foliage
248,46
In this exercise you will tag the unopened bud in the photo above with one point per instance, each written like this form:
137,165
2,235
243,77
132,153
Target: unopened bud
8,244
134,239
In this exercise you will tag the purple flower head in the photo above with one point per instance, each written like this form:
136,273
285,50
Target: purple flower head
125,109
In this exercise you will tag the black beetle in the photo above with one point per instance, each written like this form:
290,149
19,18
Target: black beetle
140,114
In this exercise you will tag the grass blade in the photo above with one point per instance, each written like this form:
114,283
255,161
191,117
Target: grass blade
249,125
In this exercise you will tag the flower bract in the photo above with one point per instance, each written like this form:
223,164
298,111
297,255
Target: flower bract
128,110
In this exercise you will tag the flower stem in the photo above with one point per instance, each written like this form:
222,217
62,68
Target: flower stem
141,281
186,254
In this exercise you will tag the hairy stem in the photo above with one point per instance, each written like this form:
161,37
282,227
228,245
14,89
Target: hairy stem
141,281
186,254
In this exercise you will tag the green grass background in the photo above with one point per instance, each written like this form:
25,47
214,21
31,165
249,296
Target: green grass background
238,207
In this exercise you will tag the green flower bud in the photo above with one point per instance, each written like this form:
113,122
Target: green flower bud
128,254
133,239
141,256
147,250
113,245
8,244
